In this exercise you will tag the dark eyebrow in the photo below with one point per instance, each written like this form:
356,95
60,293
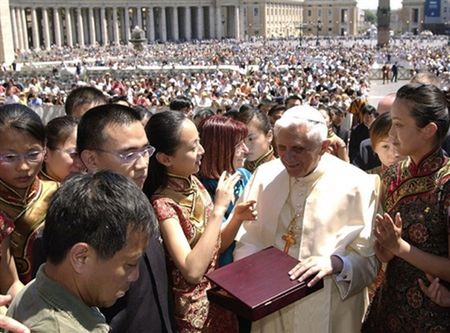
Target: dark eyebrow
133,148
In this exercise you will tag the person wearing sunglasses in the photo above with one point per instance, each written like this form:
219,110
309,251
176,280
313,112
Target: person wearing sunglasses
112,137
61,159
24,197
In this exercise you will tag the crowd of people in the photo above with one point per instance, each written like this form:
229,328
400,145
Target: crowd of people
249,72
112,215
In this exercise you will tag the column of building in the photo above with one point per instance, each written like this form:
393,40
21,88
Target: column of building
35,29
150,25
46,28
80,33
92,39
212,26
162,25
69,34
23,21
175,28
86,25
57,25
104,25
15,29
219,30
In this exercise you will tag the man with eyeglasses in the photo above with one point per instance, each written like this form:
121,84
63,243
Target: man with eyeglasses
112,137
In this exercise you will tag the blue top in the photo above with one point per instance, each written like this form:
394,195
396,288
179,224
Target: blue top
211,185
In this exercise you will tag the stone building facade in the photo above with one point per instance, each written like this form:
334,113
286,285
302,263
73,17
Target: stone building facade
43,23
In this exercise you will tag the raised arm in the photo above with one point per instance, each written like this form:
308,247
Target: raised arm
193,262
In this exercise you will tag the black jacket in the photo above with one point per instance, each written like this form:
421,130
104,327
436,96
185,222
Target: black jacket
148,304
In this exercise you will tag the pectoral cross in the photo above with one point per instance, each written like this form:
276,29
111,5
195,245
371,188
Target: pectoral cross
289,240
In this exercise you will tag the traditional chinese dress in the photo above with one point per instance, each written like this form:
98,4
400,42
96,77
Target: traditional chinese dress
186,200
21,218
252,165
421,193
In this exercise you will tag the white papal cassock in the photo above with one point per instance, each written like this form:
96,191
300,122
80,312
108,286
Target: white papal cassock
336,205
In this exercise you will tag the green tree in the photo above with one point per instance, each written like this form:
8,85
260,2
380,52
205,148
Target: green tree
370,16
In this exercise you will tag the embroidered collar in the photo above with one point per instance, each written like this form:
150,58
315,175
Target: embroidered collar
428,164
180,183
45,176
252,165
11,196
407,169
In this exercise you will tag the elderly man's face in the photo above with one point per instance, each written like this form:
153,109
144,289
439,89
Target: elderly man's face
299,154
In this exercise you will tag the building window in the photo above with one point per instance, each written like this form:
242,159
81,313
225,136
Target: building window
415,15
309,12
343,15
255,11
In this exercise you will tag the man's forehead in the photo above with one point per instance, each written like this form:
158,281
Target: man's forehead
124,133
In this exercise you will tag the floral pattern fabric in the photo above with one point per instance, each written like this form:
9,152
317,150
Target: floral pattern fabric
421,193
188,201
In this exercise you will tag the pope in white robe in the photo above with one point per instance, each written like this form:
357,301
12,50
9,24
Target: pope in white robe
328,206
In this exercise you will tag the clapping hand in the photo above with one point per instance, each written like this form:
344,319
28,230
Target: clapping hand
245,211
225,189
435,291
388,232
382,253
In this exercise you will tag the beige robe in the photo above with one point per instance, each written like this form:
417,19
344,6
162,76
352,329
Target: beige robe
338,213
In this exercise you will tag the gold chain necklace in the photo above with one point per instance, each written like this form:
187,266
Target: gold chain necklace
289,237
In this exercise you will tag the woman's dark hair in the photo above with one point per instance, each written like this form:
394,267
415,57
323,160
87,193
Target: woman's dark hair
245,107
59,129
369,109
163,133
23,119
142,111
263,121
428,104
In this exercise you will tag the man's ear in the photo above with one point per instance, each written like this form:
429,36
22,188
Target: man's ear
89,159
79,255
269,136
324,148
164,159
46,155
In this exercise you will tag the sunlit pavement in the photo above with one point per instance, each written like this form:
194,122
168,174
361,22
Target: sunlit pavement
378,89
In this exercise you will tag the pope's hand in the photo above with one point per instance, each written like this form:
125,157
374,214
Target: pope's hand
316,267
8,323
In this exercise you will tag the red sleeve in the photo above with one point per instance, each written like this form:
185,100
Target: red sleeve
164,209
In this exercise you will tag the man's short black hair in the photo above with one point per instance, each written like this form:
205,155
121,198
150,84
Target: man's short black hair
91,128
99,209
83,95
179,103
